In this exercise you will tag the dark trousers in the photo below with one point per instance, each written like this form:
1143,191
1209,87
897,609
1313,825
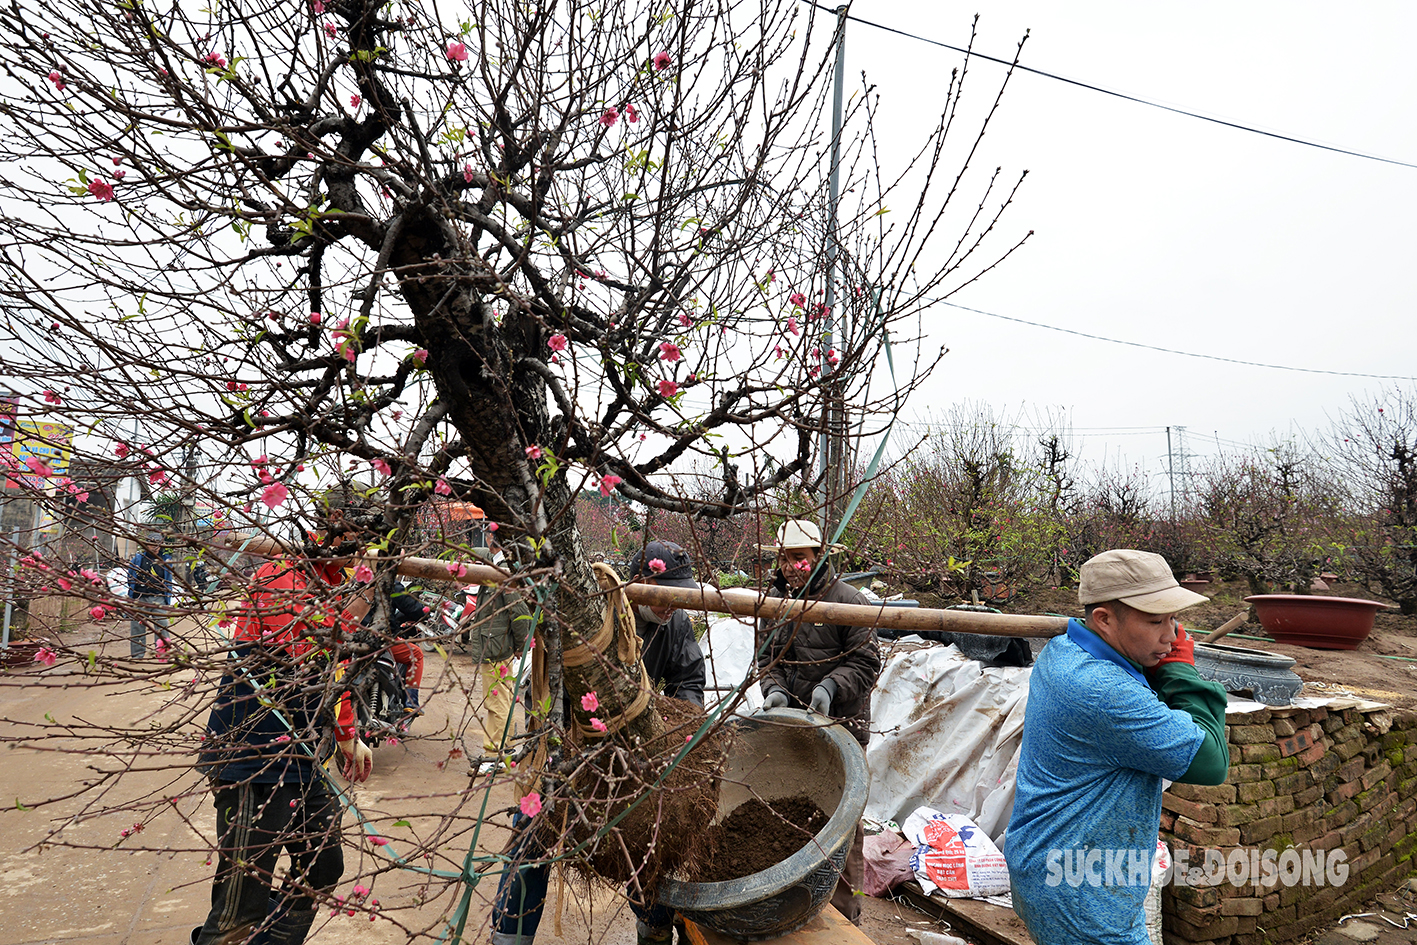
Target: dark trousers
256,822
847,895
521,894
147,611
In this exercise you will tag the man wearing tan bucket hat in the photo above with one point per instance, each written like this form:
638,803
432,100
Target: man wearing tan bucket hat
1114,707
828,668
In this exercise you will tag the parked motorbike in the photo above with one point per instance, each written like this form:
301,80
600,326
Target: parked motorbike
377,692
449,615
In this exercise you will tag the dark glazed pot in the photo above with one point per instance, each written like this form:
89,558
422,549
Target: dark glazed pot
1268,676
1320,623
780,754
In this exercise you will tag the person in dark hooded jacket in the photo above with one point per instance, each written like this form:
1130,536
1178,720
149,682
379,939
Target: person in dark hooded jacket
827,668
671,655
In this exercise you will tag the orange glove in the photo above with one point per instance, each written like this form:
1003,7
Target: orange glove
1182,651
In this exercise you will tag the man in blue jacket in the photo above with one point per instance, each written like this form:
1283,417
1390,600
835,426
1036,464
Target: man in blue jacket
150,589
1114,707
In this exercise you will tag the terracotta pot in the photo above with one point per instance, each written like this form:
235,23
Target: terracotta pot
1320,623
20,654
1194,584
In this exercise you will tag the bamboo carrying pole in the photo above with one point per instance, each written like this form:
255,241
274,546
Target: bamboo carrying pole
743,603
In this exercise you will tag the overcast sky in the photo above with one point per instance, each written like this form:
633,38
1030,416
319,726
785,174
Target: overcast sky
1160,229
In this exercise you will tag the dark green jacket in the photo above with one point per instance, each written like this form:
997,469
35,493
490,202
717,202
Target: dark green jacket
500,625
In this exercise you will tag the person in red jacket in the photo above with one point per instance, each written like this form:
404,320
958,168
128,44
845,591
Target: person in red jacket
271,726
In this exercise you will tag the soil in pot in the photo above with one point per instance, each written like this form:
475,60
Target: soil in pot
756,836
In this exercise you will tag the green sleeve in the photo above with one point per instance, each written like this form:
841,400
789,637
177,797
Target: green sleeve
520,623
1181,688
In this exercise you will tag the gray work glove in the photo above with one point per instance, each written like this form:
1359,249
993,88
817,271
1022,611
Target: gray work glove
776,699
821,700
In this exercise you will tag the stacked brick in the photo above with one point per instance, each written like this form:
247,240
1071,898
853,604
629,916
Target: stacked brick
1339,777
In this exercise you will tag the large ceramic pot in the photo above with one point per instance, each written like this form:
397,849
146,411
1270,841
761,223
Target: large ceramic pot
1269,677
781,754
19,654
1321,623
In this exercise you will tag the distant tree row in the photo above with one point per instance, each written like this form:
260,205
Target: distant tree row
978,504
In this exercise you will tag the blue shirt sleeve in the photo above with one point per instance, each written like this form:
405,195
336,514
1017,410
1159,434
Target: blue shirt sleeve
1142,732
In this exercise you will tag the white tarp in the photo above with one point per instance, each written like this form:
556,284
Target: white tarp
946,734
728,658
947,729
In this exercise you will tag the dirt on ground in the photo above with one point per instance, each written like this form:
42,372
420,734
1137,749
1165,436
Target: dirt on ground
70,875
74,869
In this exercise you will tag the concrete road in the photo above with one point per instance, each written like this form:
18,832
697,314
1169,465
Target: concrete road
69,790
80,765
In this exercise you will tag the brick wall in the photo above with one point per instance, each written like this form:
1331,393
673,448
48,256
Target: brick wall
1339,777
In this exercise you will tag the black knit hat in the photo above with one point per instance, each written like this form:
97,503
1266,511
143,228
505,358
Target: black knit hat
667,563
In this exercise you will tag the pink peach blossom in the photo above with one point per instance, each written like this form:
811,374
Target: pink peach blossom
274,495
598,725
668,389
610,116
590,702
607,483
531,804
457,52
669,351
662,59
101,189
363,574
657,565
442,488
557,342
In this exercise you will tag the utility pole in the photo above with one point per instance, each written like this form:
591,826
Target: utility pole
833,433
1171,474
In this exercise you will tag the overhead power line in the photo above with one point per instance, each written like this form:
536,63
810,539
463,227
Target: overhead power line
1184,354
1124,96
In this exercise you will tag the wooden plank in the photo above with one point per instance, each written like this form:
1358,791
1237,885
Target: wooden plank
827,927
979,921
